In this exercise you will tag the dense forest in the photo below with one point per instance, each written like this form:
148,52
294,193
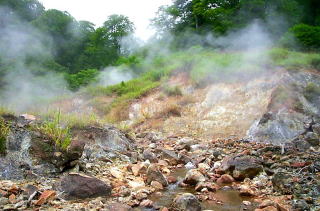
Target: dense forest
79,49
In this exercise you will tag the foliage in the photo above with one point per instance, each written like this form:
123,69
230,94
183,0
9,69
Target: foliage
307,36
53,130
82,78
4,131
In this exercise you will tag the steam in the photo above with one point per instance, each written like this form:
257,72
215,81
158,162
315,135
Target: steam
23,89
114,75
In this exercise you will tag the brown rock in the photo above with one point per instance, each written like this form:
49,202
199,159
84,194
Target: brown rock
46,196
267,203
246,191
225,179
138,169
77,186
209,186
146,203
172,179
157,185
269,208
12,198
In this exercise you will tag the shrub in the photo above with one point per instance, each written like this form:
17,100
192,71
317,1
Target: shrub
307,36
4,131
172,91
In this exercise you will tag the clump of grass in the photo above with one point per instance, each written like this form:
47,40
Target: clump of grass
4,131
312,91
172,91
55,132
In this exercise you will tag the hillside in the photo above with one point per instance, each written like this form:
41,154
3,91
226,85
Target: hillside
213,106
250,142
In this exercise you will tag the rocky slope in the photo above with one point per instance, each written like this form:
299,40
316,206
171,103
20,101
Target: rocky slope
248,145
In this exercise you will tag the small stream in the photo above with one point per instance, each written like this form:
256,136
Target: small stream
231,200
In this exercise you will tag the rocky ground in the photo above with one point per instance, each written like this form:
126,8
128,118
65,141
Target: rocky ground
263,177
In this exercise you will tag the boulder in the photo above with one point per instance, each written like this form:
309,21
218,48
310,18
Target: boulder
187,202
193,177
153,174
77,186
102,141
241,166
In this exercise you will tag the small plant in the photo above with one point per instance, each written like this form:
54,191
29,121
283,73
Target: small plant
173,91
4,131
53,130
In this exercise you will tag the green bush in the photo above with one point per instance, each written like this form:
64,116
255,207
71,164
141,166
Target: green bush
307,36
82,78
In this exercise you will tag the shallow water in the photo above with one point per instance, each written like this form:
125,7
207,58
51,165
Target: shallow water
231,200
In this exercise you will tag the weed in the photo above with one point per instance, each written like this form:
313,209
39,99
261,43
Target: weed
54,131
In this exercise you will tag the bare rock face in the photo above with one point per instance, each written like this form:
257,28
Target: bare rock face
101,142
241,166
293,110
153,174
77,186
187,202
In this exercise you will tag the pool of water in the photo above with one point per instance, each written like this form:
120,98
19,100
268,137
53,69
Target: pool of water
226,199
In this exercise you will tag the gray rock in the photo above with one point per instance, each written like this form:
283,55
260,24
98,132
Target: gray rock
187,202
241,166
149,155
153,174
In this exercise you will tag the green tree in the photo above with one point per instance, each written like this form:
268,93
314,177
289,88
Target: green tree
117,27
